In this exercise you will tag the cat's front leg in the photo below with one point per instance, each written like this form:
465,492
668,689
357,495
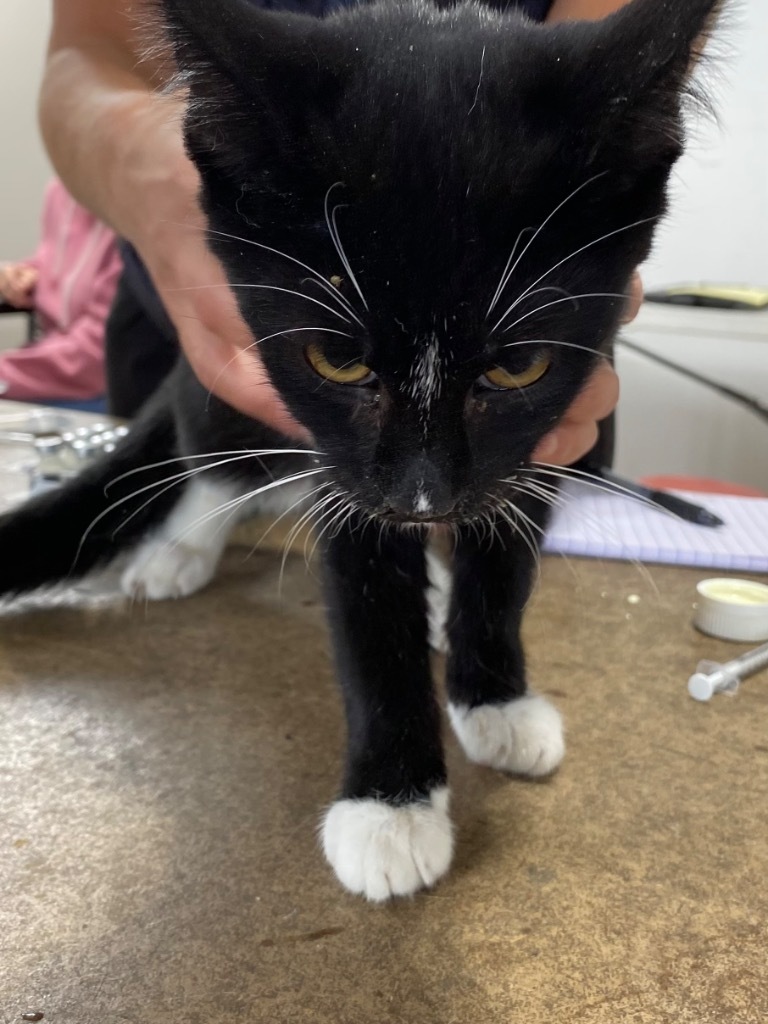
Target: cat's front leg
497,720
390,833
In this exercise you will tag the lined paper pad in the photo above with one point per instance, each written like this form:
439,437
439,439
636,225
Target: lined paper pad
601,525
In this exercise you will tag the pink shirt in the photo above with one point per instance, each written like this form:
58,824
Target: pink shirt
78,264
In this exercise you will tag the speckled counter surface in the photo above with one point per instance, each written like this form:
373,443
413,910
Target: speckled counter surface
162,770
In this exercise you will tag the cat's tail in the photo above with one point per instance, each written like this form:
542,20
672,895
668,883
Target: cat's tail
63,534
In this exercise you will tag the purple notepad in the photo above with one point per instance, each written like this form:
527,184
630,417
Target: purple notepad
595,523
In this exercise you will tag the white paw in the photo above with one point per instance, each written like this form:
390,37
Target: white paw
382,851
524,736
162,569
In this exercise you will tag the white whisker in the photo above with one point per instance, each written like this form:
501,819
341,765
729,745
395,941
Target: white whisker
508,274
235,503
169,481
296,529
503,279
521,526
591,481
239,452
538,291
331,513
342,522
334,231
287,511
537,491
479,83
570,256
561,344
292,291
557,302
266,287
259,341
306,517
518,511
337,295
316,275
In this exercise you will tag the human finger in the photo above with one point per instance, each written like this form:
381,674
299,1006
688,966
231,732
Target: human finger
577,432
222,351
12,285
635,298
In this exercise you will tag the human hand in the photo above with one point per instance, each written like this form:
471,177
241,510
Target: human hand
576,432
17,284
168,229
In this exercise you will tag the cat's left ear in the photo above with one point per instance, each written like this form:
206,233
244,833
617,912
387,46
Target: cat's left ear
266,76
633,71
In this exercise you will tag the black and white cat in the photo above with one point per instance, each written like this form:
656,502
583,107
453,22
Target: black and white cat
430,214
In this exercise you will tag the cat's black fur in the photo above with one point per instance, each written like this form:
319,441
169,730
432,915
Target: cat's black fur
443,133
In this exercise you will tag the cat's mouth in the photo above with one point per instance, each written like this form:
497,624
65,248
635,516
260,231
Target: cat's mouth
456,517
414,519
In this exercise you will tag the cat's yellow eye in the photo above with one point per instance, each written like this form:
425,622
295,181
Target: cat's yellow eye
504,380
350,372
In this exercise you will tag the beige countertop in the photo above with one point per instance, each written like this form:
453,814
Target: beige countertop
163,767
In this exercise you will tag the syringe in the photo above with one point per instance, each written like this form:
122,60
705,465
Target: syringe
712,677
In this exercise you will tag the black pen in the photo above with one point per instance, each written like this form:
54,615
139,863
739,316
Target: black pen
678,506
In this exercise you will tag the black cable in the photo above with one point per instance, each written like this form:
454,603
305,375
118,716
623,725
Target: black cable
750,403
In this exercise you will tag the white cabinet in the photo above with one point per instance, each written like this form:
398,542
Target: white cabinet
669,424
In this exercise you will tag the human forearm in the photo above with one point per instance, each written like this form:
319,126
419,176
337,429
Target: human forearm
118,146
77,104
93,100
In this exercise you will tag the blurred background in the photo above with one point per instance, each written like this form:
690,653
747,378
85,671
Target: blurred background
24,167
718,232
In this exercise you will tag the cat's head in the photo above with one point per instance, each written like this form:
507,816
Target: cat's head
436,212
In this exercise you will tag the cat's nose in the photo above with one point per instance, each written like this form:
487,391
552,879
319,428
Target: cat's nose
422,492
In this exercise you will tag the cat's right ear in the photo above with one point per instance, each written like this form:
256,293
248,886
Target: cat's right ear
257,80
631,72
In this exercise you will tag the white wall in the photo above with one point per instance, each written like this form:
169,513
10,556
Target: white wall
718,231
24,168
668,424
719,225
718,228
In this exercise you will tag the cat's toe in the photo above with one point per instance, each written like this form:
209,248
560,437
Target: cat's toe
380,850
162,569
524,736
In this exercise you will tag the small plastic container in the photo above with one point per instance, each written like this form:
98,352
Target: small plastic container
732,609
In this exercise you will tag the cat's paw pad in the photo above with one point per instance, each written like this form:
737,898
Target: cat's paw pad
381,851
161,569
524,736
